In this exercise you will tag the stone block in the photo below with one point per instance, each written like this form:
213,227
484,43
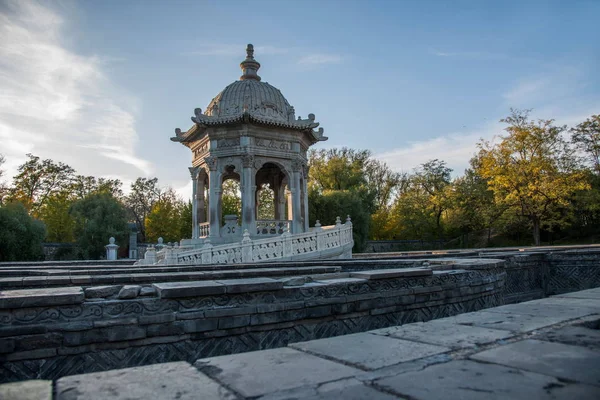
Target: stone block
229,311
272,307
33,342
251,285
234,321
18,330
256,374
129,292
276,317
200,325
27,390
318,312
102,291
175,328
7,345
30,354
470,380
368,352
177,380
190,315
188,289
391,273
443,333
72,326
554,359
156,319
114,334
24,298
105,323
583,294
147,291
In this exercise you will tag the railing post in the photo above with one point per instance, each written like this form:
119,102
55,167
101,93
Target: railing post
207,252
246,247
170,256
318,236
287,244
150,256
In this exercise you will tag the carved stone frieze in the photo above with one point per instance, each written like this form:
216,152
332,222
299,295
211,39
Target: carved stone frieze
273,144
247,160
228,142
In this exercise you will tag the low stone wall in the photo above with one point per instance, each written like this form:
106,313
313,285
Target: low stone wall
53,332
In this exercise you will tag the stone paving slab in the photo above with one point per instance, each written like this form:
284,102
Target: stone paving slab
178,380
555,307
27,390
391,273
264,372
575,335
583,294
367,351
505,321
555,359
469,380
251,285
188,289
346,389
445,333
40,297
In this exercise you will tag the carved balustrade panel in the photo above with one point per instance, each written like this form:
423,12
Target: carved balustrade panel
272,226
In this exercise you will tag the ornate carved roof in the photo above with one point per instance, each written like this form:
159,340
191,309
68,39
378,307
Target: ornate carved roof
250,100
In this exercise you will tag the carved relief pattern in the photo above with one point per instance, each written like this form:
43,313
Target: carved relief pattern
247,160
211,162
200,150
227,143
304,245
267,251
273,144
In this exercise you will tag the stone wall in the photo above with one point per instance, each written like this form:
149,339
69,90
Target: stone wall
382,246
49,333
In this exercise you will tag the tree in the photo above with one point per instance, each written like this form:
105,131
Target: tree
266,203
532,170
57,218
338,169
144,193
98,217
21,236
327,205
3,188
231,202
164,220
38,180
586,137
83,186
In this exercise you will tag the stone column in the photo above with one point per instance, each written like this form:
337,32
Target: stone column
296,198
248,195
213,195
279,197
201,209
194,175
305,197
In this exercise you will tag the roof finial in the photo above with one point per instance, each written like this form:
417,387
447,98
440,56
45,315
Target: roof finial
250,66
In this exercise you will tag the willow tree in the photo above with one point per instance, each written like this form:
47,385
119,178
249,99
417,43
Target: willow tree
532,170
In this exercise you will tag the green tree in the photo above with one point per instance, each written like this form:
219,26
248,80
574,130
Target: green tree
57,218
164,220
325,206
21,236
143,194
266,203
586,137
83,186
38,180
533,170
231,202
98,217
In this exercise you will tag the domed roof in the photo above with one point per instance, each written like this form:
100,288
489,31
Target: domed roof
250,100
258,99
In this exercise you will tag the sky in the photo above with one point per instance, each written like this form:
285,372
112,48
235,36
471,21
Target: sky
101,85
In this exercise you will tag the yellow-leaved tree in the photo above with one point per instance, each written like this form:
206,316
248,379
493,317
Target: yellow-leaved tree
533,170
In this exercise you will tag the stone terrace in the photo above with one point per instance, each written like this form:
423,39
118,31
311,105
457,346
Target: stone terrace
541,349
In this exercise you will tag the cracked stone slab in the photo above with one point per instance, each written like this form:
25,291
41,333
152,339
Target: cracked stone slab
444,333
178,380
41,297
27,390
347,389
556,307
555,359
264,372
369,352
585,334
583,294
469,380
522,323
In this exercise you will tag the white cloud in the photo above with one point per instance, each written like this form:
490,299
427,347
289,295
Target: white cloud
57,104
456,149
320,58
480,55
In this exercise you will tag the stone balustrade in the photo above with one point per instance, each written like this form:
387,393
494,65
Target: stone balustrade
272,226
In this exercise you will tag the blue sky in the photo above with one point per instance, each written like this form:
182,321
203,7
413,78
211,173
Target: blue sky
101,85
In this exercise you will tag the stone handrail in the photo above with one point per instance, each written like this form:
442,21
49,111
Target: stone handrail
283,247
272,226
204,229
